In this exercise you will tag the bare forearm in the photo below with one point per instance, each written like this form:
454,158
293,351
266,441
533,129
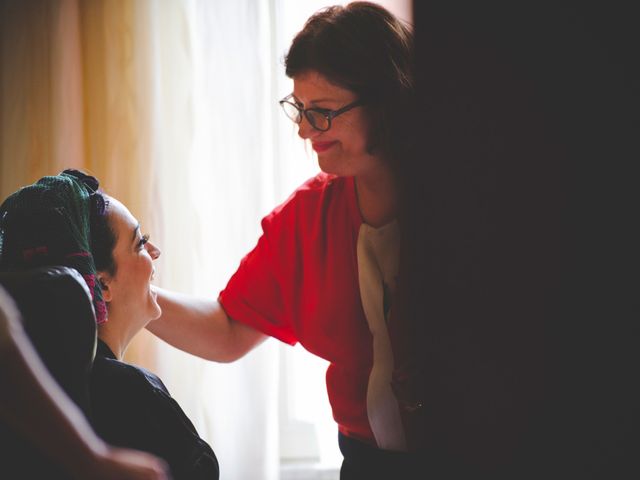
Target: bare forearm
201,327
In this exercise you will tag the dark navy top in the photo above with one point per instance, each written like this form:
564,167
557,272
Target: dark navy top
132,408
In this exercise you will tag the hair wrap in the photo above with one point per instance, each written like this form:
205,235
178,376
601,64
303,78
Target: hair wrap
48,223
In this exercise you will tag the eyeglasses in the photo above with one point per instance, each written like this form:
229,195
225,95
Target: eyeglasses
318,118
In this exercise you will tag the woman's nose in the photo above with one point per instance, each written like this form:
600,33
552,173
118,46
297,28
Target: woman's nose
153,250
305,130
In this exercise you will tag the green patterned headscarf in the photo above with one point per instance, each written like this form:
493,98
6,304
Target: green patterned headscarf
49,223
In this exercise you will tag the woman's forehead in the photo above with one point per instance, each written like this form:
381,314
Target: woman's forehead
312,86
120,215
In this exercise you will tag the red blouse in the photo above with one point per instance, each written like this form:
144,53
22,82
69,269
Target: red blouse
300,284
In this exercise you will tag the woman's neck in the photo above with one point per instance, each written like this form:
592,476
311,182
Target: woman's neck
117,335
377,197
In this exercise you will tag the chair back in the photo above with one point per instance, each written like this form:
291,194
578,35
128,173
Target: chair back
58,317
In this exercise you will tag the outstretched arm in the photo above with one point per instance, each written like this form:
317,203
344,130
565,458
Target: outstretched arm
33,404
202,327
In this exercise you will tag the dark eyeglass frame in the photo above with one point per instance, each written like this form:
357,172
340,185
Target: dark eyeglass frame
326,113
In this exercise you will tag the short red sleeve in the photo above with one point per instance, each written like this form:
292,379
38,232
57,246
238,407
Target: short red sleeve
254,295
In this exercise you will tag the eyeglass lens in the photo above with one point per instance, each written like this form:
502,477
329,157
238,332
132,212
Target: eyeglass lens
291,111
317,120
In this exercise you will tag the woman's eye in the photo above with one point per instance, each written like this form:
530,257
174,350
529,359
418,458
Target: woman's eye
143,241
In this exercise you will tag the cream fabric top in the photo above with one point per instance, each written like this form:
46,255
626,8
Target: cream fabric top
377,271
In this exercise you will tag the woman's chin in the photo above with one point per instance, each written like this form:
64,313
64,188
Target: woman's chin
157,312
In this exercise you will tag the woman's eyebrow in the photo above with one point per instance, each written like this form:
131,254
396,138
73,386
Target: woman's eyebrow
315,100
320,100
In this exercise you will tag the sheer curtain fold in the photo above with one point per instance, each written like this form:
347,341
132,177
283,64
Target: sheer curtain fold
29,43
73,94
212,152
117,118
170,105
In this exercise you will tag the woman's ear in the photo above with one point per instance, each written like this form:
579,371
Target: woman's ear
105,280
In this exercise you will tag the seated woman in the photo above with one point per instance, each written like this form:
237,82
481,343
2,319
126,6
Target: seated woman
35,406
66,220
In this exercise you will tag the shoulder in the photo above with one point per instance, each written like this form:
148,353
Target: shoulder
317,188
317,196
110,374
131,397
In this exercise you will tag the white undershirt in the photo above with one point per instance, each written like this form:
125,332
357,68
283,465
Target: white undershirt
377,271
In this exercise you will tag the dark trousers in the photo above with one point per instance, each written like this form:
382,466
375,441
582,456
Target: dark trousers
363,461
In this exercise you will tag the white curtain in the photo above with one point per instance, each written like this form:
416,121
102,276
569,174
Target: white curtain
216,81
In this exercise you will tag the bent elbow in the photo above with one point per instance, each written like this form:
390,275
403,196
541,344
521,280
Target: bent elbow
242,340
229,356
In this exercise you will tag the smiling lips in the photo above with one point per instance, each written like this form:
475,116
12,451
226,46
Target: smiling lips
323,146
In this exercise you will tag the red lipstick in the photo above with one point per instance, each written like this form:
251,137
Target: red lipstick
323,146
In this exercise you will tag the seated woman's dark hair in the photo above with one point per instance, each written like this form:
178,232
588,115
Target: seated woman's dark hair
362,47
59,220
103,238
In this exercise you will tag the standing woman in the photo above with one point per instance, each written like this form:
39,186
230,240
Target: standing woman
324,272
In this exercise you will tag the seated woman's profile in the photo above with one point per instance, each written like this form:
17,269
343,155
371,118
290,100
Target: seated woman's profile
66,220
